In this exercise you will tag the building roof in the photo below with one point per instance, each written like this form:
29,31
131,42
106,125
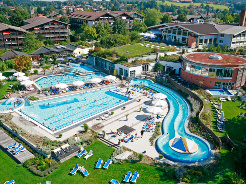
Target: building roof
12,54
36,21
56,48
201,28
203,58
6,26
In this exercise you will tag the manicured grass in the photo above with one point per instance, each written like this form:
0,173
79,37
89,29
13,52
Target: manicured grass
215,6
5,88
235,126
133,50
148,174
226,165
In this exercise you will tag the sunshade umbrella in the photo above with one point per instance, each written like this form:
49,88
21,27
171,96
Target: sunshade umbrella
2,78
154,110
79,57
78,83
1,74
160,96
18,74
61,85
222,116
94,80
22,78
69,57
59,59
27,83
110,77
158,102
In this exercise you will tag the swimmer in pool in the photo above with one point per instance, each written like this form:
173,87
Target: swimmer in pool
182,106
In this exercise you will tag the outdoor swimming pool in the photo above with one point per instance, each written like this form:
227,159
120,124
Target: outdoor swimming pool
78,68
58,113
175,121
219,92
66,78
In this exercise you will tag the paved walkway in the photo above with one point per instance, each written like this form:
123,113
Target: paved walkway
5,141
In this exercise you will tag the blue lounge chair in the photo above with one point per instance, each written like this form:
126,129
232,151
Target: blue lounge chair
107,164
12,146
75,169
127,176
17,147
10,182
71,88
99,163
84,171
134,177
130,138
55,91
148,129
19,150
84,152
113,181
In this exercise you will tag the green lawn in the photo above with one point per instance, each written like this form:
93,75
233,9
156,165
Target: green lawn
215,6
148,174
5,88
235,126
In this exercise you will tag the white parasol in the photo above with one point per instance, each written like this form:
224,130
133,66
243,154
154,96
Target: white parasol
161,103
109,77
22,78
78,83
154,110
18,74
2,78
94,80
27,83
61,85
159,96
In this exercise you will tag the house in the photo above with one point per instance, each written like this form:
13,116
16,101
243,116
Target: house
12,54
78,18
49,28
203,34
11,36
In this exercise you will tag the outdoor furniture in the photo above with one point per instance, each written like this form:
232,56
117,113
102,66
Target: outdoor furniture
10,182
75,169
130,138
99,163
12,146
127,176
88,155
107,164
134,177
17,147
113,181
84,152
20,150
84,171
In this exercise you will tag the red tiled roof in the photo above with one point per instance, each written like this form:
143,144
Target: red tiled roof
203,58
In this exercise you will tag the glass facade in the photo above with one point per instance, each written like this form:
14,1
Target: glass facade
207,71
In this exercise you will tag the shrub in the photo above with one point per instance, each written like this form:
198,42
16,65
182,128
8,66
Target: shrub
161,156
86,127
60,135
35,72
33,98
140,157
112,113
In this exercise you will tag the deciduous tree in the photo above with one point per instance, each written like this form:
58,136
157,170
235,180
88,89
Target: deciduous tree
166,18
119,26
22,63
152,17
139,26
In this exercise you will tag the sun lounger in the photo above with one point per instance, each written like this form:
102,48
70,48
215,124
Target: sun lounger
19,150
134,177
127,176
148,129
88,155
113,181
99,163
18,147
130,138
84,171
107,164
12,146
10,182
84,152
75,169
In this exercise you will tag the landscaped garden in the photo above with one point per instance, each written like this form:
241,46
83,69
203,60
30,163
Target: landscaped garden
4,86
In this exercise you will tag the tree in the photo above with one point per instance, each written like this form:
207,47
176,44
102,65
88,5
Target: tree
139,26
108,27
65,19
134,35
101,31
31,43
119,26
54,57
16,20
158,67
39,10
90,33
182,17
46,58
49,42
3,19
22,63
152,17
166,18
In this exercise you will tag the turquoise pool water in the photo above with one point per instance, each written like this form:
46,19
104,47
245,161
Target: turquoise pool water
58,113
175,121
219,92
4,106
77,68
66,78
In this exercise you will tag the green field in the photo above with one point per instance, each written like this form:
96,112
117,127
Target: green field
147,174
215,6
5,88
